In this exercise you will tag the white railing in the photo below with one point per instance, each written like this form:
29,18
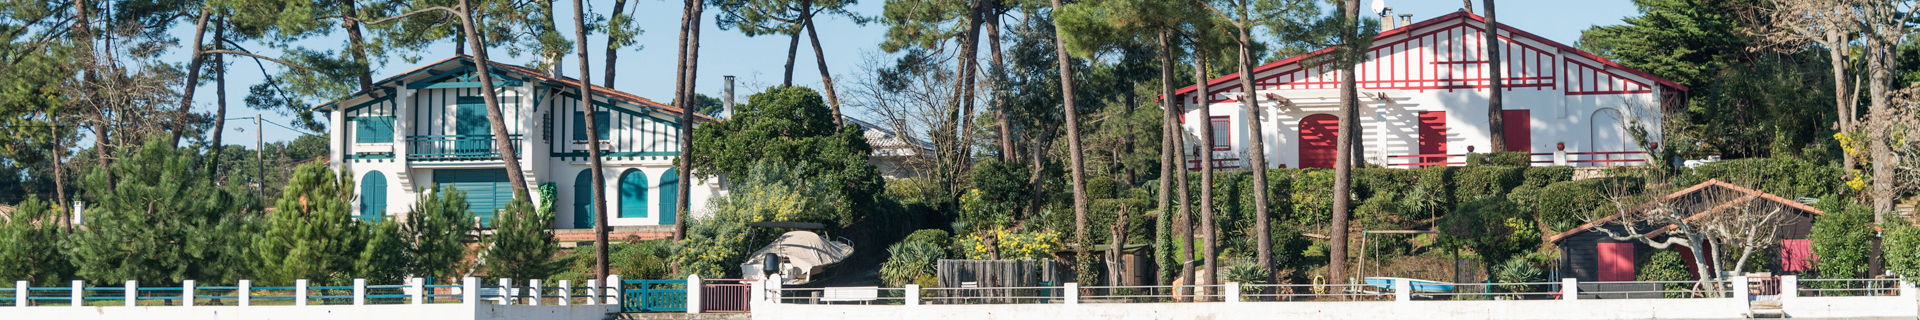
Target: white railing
1566,289
415,291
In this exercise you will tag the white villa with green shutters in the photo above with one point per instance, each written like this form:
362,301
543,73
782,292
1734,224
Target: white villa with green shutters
428,127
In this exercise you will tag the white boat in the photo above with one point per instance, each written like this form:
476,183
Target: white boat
801,255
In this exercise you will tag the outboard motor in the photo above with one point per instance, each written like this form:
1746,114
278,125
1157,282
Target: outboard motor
769,264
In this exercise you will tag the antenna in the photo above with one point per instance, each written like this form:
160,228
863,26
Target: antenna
1380,7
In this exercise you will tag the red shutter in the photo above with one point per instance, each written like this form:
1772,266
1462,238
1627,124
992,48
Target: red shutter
1515,125
1318,135
1797,255
1433,136
1616,261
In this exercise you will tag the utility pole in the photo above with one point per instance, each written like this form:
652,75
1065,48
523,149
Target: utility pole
259,158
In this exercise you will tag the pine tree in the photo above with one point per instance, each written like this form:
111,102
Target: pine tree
311,234
154,220
30,243
437,232
522,247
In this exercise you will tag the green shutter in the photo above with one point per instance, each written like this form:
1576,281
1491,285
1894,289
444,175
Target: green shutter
633,194
373,196
373,129
669,196
583,199
599,119
487,190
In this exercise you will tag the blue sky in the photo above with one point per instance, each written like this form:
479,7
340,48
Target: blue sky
647,69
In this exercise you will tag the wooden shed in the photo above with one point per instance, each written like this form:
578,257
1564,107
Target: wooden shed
1588,254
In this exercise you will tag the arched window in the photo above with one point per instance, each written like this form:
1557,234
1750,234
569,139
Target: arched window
373,196
583,199
633,194
669,194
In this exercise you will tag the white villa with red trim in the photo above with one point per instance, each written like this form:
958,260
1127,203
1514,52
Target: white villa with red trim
1424,93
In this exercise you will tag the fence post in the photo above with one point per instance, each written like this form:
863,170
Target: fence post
1233,292
913,294
20,293
1073,292
534,286
132,292
79,293
1569,289
1402,290
613,288
186,293
300,292
419,290
242,291
566,292
507,293
1740,288
1789,287
359,292
693,293
1907,289
593,291
469,290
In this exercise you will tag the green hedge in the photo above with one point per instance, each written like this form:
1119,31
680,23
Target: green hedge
1786,177
1565,205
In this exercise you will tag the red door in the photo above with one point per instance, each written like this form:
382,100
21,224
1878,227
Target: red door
1514,124
1616,261
1433,137
1318,134
1797,255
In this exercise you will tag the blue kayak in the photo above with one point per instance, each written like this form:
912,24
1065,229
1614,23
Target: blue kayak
1430,286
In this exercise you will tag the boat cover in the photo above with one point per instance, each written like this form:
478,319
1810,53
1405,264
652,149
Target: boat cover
803,250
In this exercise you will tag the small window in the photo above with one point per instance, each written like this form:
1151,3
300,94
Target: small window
1222,133
599,119
373,130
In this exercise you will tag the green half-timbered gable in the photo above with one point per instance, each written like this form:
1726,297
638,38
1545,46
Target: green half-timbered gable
632,132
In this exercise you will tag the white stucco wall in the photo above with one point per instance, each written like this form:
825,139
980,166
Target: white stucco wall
410,312
1722,308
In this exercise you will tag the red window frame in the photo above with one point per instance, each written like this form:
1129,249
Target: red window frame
1221,142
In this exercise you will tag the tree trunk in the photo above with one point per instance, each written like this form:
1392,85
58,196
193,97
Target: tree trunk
613,52
793,45
1205,103
826,79
496,118
686,114
593,145
1495,126
1256,144
1343,164
1837,55
358,45
1880,66
1001,121
1466,5
193,76
1073,137
971,52
1182,219
1116,243
1169,146
220,102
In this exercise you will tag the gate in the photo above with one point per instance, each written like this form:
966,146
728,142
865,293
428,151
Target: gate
725,297
654,296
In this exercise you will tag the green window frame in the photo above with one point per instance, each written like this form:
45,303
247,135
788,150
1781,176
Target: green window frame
373,196
373,129
583,199
669,196
599,119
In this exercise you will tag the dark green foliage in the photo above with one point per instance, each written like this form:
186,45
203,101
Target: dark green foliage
383,259
1543,176
1785,177
1685,41
1474,183
1841,239
1494,228
1248,273
522,246
1003,182
30,243
1518,270
155,223
1102,212
643,259
1505,159
1312,196
936,237
1666,265
909,261
1567,204
1773,107
312,233
1901,248
790,126
716,244
437,233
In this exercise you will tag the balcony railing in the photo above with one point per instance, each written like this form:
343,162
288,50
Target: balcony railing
455,148
1579,159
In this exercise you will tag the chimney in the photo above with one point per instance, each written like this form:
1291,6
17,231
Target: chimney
1386,19
553,66
726,98
1406,19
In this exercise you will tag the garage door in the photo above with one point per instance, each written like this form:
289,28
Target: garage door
487,189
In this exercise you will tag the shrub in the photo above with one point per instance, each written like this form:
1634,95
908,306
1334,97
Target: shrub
1518,270
1504,159
1493,227
1474,183
1543,176
643,259
1902,248
1248,273
1666,265
1785,177
30,242
909,261
522,247
717,244
1565,205
1841,240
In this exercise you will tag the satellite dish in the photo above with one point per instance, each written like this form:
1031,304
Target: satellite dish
1380,7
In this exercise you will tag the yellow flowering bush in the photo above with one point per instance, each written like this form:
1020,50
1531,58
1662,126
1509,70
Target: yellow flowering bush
1012,245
